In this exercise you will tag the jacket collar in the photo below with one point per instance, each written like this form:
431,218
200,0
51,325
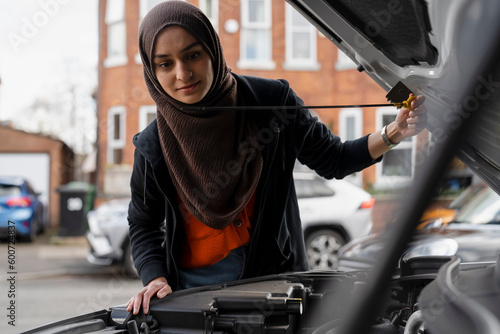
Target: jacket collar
148,143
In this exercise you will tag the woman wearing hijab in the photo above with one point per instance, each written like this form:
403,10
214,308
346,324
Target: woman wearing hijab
213,198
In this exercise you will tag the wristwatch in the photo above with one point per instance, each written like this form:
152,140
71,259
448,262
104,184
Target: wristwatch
386,140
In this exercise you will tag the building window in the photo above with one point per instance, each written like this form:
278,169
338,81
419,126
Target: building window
344,62
255,43
301,42
211,10
350,128
117,34
350,124
397,167
116,135
146,115
146,6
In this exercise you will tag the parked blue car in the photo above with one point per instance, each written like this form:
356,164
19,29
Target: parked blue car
21,211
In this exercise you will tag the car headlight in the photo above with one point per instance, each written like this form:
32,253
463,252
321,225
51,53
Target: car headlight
439,247
94,223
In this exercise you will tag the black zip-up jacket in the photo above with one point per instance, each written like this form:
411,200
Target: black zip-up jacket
277,242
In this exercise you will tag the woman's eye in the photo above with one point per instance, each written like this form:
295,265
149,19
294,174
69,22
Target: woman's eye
194,55
164,64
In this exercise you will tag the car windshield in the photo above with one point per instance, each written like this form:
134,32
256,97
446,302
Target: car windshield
467,195
483,209
9,190
312,188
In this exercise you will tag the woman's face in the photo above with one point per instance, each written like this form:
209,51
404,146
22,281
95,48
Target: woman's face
182,66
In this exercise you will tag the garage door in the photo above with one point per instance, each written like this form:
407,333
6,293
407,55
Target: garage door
33,166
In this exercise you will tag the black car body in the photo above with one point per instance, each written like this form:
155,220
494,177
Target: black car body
472,236
443,49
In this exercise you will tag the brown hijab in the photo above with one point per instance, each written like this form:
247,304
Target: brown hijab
212,178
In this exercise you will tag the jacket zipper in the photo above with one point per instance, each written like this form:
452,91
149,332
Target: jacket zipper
273,156
277,131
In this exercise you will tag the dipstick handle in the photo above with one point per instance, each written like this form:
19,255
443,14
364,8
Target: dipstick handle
406,104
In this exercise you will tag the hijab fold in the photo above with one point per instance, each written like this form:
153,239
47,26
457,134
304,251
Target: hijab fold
213,177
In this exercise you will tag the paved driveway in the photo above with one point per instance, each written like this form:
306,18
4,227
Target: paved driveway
51,280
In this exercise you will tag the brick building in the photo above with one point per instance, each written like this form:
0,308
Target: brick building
265,38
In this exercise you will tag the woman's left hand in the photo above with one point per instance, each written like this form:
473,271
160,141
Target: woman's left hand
411,122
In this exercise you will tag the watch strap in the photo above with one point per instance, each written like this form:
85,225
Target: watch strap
383,133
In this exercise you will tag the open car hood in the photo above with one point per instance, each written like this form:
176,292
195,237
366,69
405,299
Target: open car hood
433,47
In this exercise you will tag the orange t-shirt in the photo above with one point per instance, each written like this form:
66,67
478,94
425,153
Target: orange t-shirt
205,246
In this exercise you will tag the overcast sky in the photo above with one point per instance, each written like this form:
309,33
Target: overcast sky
38,39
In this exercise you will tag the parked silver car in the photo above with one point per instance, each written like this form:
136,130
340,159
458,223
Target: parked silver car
108,235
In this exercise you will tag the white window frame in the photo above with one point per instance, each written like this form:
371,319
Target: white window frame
115,18
215,12
144,111
293,63
344,114
357,113
344,63
143,10
246,26
120,142
384,181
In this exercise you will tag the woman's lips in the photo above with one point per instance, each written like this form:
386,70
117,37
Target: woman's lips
189,88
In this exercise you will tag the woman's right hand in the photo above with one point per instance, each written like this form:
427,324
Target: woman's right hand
158,286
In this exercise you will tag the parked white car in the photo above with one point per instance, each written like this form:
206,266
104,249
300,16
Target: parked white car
333,212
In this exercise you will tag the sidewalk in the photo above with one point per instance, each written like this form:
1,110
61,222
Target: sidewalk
50,255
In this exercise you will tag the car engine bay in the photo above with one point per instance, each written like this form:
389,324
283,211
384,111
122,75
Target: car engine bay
426,295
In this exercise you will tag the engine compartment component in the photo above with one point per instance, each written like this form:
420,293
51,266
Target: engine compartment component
464,300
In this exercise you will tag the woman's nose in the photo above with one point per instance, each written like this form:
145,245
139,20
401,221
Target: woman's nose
183,72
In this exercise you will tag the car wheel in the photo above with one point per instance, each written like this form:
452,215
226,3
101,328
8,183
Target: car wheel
322,247
128,262
31,236
41,223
